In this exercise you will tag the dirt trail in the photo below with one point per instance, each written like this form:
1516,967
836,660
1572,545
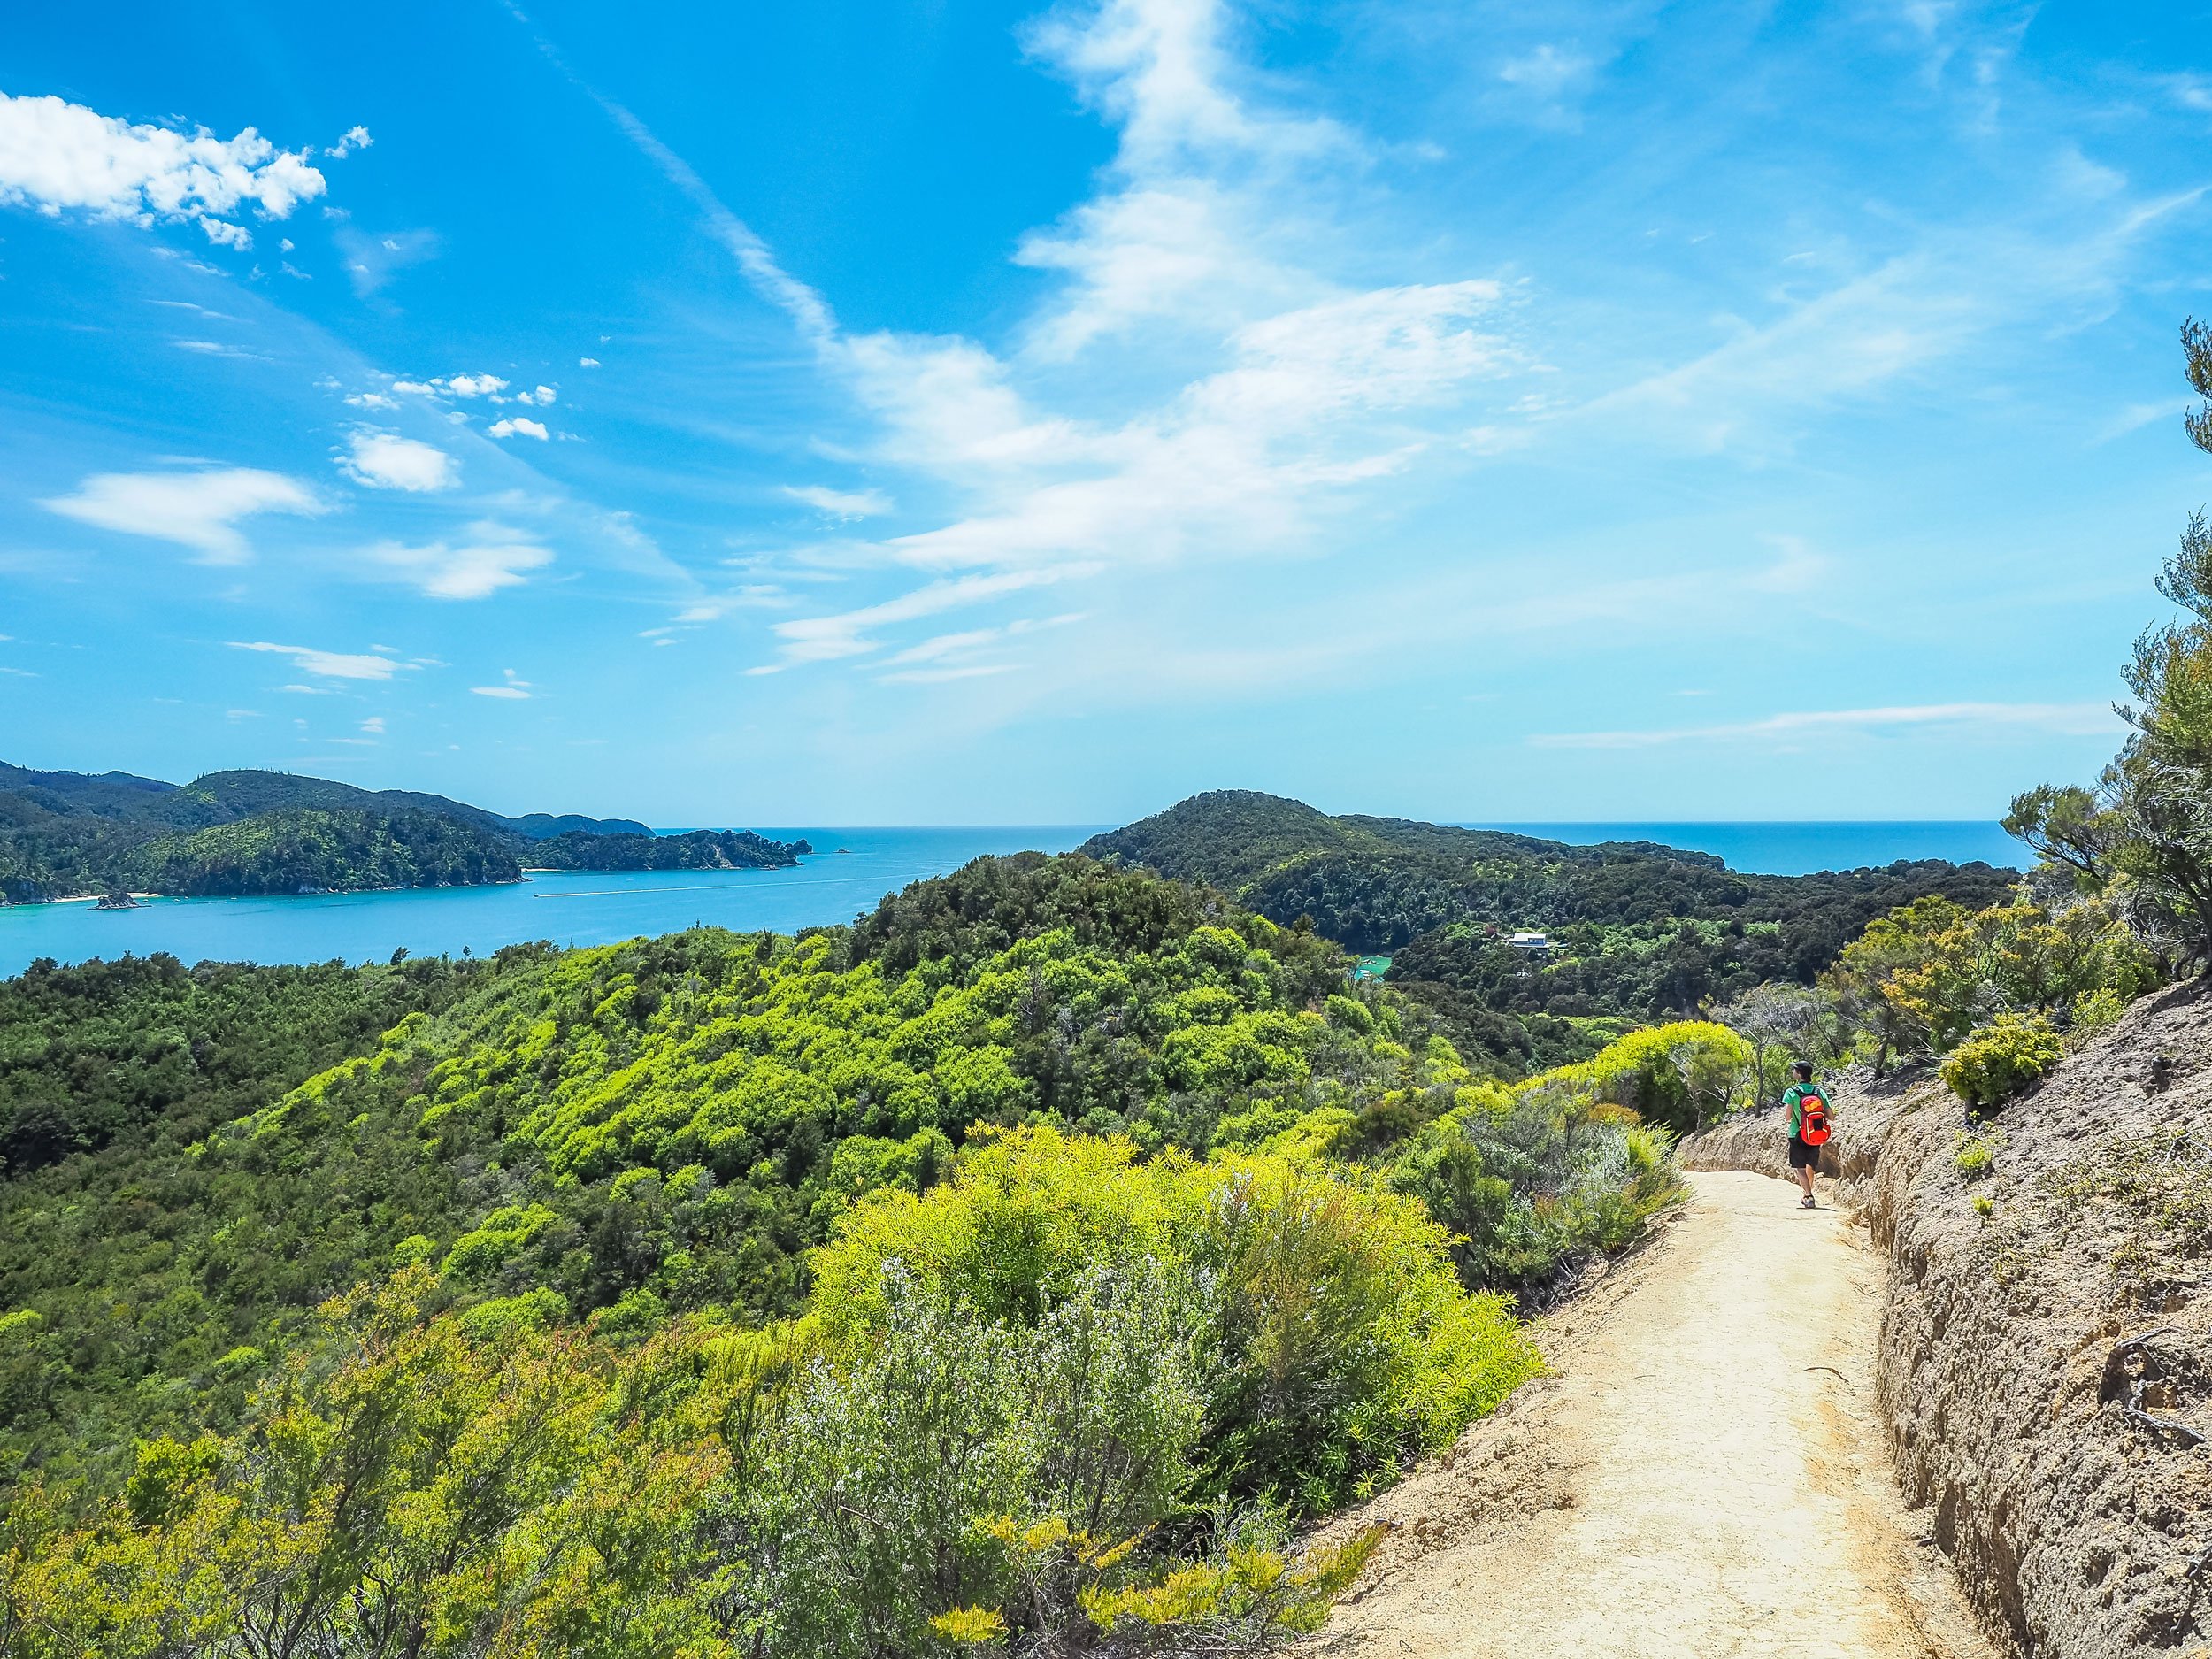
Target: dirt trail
1703,1474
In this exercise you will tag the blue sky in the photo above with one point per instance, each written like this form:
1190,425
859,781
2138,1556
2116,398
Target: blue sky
920,413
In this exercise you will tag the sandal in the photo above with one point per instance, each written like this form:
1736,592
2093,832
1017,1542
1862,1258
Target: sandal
1809,1202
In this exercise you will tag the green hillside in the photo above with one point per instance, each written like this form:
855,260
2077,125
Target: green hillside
198,1158
1637,931
237,833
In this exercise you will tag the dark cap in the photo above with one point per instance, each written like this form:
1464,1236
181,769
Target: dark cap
1803,1068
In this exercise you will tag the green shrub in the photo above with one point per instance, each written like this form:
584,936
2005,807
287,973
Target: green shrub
875,1481
1973,1156
2099,1010
2004,1058
1679,1076
1337,1342
1534,1183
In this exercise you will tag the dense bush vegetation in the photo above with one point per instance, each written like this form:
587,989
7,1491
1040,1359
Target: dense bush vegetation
1332,1338
1109,1229
1017,1397
147,1047
695,850
272,832
309,851
1638,932
1928,974
427,1483
668,1127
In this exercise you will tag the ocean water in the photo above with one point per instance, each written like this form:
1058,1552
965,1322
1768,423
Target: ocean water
1797,850
850,871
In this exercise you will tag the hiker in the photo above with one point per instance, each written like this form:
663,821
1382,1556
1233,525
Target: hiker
1810,1125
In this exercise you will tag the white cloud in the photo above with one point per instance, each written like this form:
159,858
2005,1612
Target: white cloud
225,235
328,664
516,689
519,427
374,726
488,386
490,556
354,138
383,460
544,398
371,400
54,155
840,503
2070,719
588,362
948,645
1315,389
196,509
826,639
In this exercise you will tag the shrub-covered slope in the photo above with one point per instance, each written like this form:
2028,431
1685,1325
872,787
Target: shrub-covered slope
671,1124
158,1053
1016,1262
1640,931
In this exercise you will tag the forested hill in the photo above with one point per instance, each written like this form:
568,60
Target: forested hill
1637,931
194,1158
231,833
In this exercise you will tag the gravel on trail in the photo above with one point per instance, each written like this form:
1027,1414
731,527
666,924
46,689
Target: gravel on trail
1703,1473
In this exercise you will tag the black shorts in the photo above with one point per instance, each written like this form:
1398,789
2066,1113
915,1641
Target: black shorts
1803,1157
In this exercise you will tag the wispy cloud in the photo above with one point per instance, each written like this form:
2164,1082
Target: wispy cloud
2070,719
840,503
373,259
489,557
827,638
514,689
1314,391
198,509
329,665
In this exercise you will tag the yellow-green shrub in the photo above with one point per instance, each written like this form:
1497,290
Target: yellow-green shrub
2004,1058
1340,1342
1678,1075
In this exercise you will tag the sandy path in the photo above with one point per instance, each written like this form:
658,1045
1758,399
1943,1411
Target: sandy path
1703,1475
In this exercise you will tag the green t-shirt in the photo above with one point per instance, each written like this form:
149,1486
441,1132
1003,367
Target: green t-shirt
1794,1097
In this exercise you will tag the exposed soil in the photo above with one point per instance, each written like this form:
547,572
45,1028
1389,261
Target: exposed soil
2043,1367
1701,1474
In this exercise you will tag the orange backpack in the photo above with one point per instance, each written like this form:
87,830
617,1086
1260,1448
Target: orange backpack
1812,1117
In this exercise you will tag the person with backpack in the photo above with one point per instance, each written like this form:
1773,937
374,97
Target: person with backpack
1810,1125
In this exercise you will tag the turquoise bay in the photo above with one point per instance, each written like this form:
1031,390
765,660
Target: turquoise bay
850,871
